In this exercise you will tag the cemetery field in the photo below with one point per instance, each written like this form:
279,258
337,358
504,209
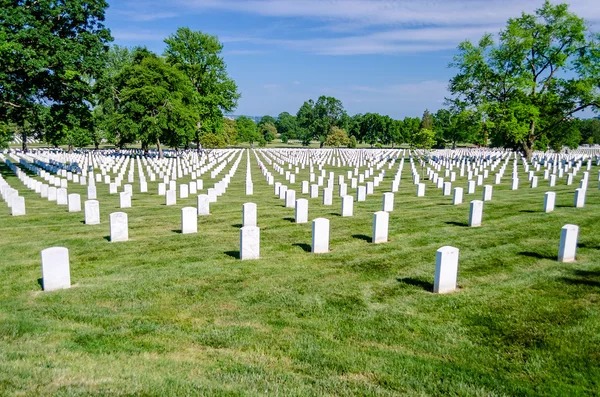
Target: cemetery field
167,313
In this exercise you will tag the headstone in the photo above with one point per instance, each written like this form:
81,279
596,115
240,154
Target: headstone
189,220
171,197
91,192
162,189
471,187
447,189
56,273
61,196
420,190
347,206
475,213
125,200
579,198
320,236
203,205
249,242
458,196
549,200
74,202
568,243
183,190
290,198
249,214
534,182
301,212
388,202
18,206
446,270
92,212
380,227
119,228
361,193
487,192
314,191
327,196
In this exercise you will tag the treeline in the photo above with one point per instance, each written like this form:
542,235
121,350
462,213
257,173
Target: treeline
62,82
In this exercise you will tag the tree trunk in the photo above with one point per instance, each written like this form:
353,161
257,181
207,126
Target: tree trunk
528,143
24,139
96,144
198,142
70,148
321,144
160,153
453,144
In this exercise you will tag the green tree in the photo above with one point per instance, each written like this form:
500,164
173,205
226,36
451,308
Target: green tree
352,143
157,102
287,127
410,127
229,131
543,70
247,130
197,55
50,51
211,140
268,131
6,134
267,120
337,137
424,139
589,130
427,120
317,118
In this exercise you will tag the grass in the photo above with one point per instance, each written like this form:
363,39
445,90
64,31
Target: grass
173,314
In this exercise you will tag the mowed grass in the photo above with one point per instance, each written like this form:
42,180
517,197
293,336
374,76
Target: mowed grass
172,314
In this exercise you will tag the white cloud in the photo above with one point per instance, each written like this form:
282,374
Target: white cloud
137,35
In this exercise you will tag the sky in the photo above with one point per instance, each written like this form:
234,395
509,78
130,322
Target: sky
385,56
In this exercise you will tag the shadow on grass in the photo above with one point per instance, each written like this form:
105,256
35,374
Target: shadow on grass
335,214
425,285
564,206
107,238
362,237
178,231
237,225
40,282
537,255
461,224
529,211
304,246
590,278
233,254
289,219
588,245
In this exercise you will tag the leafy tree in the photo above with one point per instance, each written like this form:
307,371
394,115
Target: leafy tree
247,130
229,131
197,55
427,120
352,143
317,118
50,51
157,102
543,70
337,137
590,131
268,131
6,134
267,120
410,127
395,132
455,125
371,127
354,127
287,126
212,141
424,139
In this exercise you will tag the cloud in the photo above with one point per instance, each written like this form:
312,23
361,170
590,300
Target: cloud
137,35
295,82
141,16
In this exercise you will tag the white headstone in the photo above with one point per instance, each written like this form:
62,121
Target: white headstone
579,198
361,193
183,191
347,206
487,192
74,202
380,227
568,243
91,192
475,213
458,196
320,236
249,214
327,196
249,242
301,212
125,200
203,205
92,212
56,273
549,200
18,206
171,197
446,270
420,190
61,196
189,220
290,198
388,202
119,228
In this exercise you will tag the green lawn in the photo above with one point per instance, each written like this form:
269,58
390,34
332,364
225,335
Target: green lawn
172,314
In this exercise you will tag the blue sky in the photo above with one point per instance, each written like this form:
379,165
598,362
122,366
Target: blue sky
384,56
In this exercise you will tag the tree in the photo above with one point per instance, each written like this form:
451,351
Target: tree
212,141
287,126
455,125
229,131
268,131
247,130
371,128
543,70
590,131
410,127
6,134
50,51
424,139
337,137
157,103
317,118
427,120
197,55
267,120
